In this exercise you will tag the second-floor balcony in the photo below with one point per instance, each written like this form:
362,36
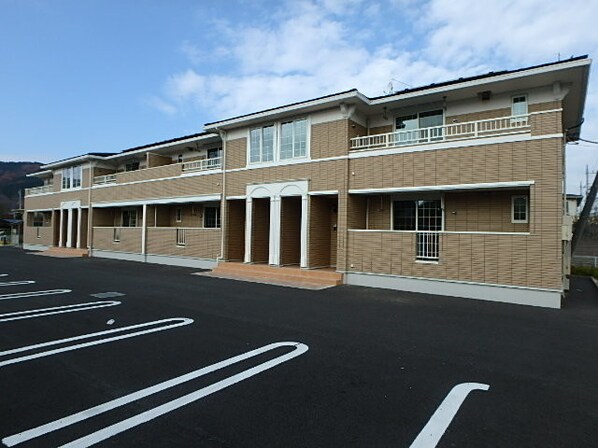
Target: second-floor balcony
449,132
158,172
39,190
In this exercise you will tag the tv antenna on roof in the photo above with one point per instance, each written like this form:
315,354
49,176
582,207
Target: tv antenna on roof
390,88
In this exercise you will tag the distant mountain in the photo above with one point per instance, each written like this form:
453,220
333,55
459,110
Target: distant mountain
12,179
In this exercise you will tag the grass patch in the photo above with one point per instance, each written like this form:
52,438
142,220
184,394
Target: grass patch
588,271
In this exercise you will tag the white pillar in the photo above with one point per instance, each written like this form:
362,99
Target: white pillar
79,220
275,209
61,229
304,229
248,226
69,227
144,229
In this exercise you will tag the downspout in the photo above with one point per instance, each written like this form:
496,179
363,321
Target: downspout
223,216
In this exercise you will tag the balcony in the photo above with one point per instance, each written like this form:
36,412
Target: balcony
39,190
159,172
449,132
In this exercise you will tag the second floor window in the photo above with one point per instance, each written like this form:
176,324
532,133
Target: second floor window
71,177
519,105
262,144
293,139
416,127
279,141
132,166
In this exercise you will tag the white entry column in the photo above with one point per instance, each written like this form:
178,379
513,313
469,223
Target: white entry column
79,220
69,227
61,229
248,228
275,213
304,224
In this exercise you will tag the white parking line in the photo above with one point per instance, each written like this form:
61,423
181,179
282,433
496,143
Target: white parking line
178,322
16,283
22,295
151,414
442,418
3,275
29,314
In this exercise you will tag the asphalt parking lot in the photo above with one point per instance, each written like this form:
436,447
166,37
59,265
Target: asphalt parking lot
100,352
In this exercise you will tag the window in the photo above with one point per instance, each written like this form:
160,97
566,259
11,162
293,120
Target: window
38,219
214,156
519,105
293,139
519,209
132,166
71,177
129,218
179,214
211,217
419,127
179,158
262,144
181,239
424,215
280,141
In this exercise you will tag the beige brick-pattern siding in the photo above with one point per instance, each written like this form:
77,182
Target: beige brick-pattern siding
130,239
496,259
236,153
157,172
184,186
380,129
50,201
290,230
323,176
329,139
46,235
482,211
378,216
475,116
199,243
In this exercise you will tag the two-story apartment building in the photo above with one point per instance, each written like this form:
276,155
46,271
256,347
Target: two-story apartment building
454,188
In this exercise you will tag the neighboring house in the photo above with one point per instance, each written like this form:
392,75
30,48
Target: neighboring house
454,188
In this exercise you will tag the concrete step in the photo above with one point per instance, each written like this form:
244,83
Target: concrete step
285,276
64,252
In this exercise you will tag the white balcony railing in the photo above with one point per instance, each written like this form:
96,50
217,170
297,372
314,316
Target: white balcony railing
39,190
454,131
201,165
102,180
427,246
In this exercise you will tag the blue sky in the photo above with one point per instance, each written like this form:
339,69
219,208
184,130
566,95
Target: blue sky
101,75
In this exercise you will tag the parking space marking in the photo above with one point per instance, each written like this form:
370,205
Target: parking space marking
442,418
151,414
176,322
3,275
16,283
40,312
22,295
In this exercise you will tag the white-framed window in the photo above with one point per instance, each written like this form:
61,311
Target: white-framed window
283,140
179,158
293,139
71,177
38,219
519,209
211,217
261,144
419,215
129,217
179,214
519,105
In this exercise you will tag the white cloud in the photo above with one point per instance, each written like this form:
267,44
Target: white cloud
309,48
161,105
